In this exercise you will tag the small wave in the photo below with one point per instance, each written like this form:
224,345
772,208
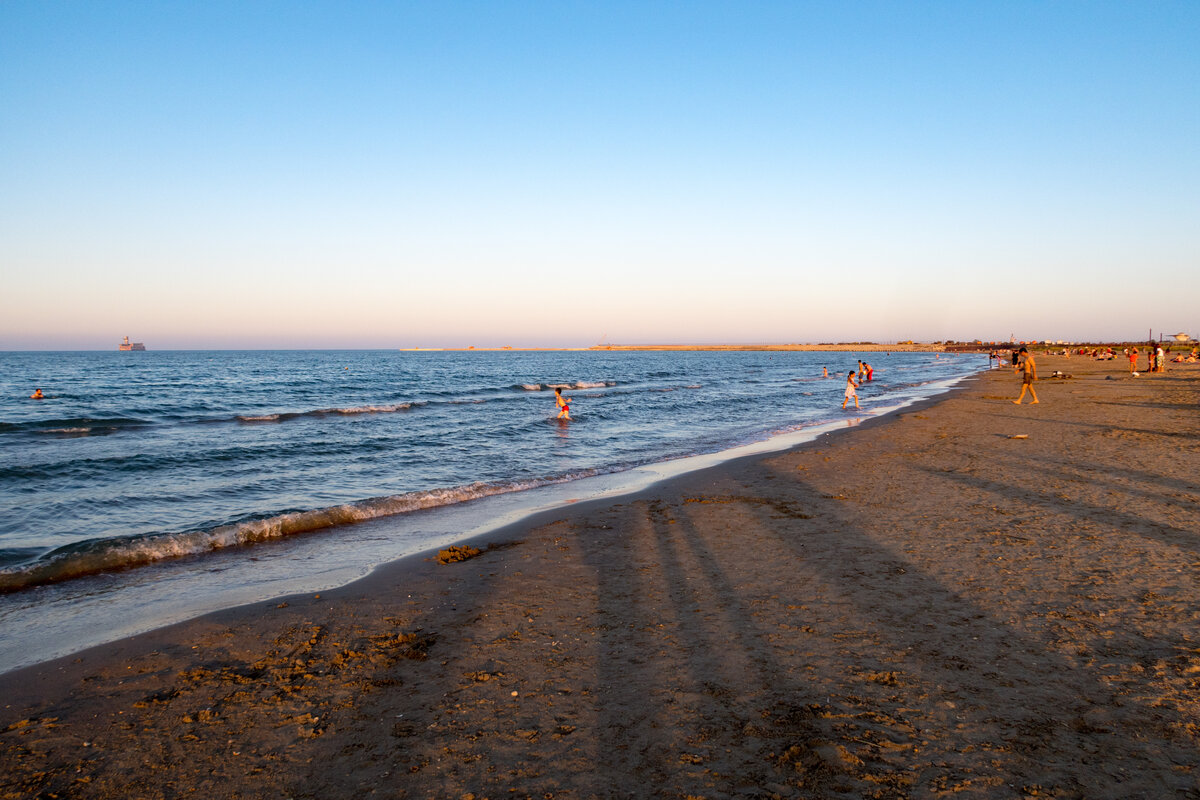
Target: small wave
74,425
326,412
105,555
540,387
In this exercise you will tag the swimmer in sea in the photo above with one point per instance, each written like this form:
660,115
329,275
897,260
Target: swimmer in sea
37,395
850,393
825,370
564,404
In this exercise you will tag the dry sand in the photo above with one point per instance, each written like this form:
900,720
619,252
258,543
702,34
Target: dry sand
920,607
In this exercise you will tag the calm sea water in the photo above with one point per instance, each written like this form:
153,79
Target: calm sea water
202,462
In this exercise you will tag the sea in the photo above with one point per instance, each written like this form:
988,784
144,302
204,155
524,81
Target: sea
151,487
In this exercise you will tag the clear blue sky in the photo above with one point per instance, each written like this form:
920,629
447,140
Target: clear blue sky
507,173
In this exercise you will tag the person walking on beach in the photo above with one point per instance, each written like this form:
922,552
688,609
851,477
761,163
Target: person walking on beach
1133,354
1028,376
850,393
564,404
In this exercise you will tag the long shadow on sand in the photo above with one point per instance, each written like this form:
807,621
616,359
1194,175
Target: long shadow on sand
923,691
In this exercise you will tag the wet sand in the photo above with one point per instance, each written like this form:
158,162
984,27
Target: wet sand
921,606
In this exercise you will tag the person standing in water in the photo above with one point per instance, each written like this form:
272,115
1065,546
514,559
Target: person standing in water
850,393
825,372
564,404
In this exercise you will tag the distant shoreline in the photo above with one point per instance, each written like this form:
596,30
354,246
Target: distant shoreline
841,347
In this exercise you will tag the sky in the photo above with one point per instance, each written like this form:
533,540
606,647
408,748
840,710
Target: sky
399,174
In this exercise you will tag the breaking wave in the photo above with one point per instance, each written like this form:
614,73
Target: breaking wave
106,555
541,387
327,412
75,426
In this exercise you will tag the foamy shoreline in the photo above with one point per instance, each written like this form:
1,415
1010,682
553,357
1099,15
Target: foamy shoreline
374,535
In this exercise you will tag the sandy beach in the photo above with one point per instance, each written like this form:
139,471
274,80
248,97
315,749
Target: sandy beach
920,606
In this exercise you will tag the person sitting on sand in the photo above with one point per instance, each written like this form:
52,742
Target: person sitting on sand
564,404
37,395
1028,376
850,393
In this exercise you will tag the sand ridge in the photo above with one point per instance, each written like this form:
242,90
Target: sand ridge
921,607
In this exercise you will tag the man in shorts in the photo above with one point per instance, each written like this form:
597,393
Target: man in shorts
1028,369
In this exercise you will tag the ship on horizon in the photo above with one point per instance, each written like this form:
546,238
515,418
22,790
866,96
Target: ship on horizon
128,345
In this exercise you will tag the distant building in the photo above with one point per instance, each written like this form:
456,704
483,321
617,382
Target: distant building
128,345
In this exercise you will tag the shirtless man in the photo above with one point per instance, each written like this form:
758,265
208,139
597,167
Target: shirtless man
1028,375
564,404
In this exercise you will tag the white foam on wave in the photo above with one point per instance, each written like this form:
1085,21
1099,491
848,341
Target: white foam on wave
384,409
538,387
116,554
387,408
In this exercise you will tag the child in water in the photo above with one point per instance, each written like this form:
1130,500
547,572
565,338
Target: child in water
564,404
850,387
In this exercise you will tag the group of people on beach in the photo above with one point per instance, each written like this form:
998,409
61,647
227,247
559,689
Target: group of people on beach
1156,358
